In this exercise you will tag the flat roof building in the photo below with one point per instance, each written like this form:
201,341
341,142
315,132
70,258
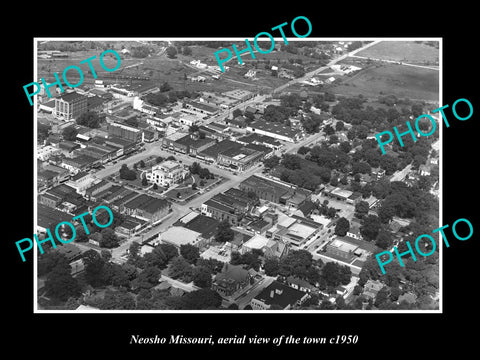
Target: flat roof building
279,295
274,130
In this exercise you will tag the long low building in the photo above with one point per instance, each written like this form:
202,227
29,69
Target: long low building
178,236
274,191
274,130
147,207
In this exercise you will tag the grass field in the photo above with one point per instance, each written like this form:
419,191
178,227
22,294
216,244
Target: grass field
399,80
407,51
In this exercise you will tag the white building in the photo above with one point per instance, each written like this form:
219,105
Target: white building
167,173
178,236
44,153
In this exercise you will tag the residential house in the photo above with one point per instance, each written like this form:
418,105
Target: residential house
231,279
281,296
371,288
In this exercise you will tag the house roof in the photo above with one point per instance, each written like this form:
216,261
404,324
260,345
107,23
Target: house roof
256,242
279,294
72,96
232,273
205,225
275,128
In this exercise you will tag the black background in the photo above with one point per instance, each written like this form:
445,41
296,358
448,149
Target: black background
379,334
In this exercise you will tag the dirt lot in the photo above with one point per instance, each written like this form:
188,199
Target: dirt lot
407,51
399,80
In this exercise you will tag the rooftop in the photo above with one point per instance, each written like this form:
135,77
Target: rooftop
72,96
179,236
205,225
232,273
343,246
256,242
275,128
280,294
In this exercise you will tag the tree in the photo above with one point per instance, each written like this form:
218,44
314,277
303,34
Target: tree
190,253
89,119
165,87
181,269
155,186
342,227
202,277
237,112
70,133
271,266
329,130
134,252
147,279
345,146
361,209
60,284
370,227
186,50
382,296
144,181
334,274
109,238
303,150
166,251
156,258
271,162
292,162
49,260
171,52
94,268
224,232
331,212
384,239
126,173
201,300
194,168
339,126
296,263
117,300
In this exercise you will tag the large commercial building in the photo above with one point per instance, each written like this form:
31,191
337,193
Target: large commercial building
274,130
232,279
124,132
274,191
279,295
70,106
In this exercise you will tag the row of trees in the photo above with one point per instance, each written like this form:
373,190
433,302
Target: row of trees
300,264
203,173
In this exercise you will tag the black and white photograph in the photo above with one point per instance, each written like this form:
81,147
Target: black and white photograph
220,181
251,183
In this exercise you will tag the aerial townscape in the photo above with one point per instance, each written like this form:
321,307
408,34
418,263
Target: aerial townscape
259,188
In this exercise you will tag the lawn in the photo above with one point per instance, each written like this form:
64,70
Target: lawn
407,51
383,79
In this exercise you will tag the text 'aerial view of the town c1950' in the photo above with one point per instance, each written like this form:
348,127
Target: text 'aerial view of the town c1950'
261,187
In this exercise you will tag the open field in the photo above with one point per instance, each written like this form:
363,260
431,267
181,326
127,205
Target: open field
407,51
401,81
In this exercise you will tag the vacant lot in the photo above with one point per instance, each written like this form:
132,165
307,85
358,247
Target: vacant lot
407,51
399,80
